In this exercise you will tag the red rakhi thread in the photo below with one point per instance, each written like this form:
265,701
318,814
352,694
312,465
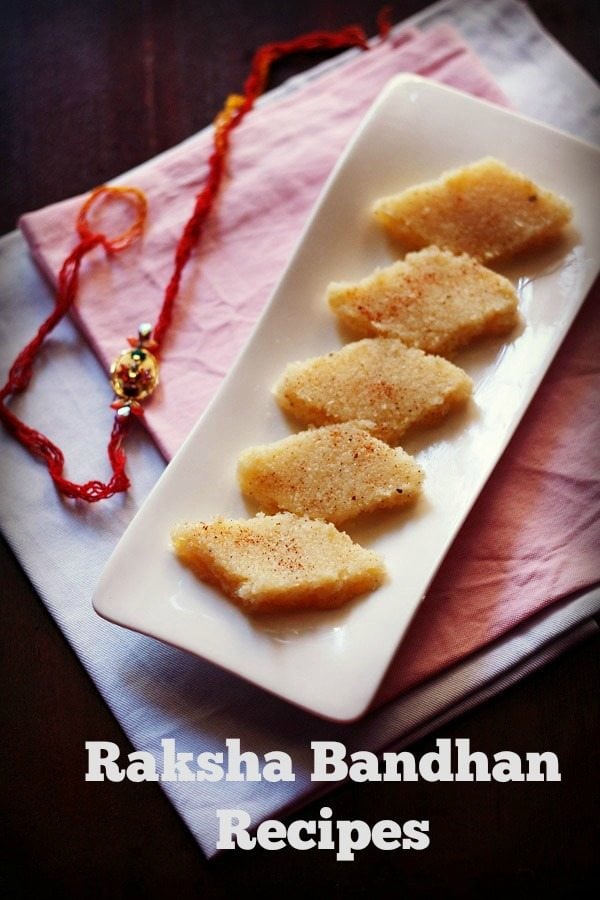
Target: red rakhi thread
384,21
20,373
235,108
135,373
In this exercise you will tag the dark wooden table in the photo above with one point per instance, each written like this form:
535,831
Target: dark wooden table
90,89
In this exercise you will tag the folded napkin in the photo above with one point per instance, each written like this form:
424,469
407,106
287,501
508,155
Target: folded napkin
544,552
534,533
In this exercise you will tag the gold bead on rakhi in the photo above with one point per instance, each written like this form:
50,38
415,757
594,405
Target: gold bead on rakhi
134,373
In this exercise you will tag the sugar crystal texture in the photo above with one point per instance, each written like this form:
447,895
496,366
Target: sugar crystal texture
485,209
281,562
432,299
379,380
335,473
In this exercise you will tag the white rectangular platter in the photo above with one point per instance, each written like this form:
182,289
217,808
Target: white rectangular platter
331,663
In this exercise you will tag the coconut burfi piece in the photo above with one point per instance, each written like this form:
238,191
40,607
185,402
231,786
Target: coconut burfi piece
381,380
432,299
280,562
334,472
484,209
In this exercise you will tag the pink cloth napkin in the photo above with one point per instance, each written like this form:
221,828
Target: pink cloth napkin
281,157
532,537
